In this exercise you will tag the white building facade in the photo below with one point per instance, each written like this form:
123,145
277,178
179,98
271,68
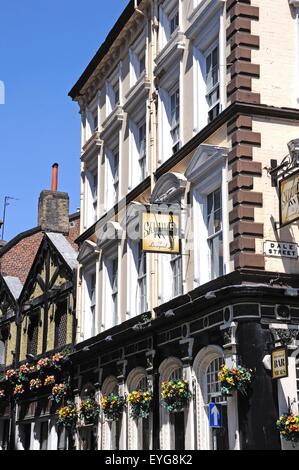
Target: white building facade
191,102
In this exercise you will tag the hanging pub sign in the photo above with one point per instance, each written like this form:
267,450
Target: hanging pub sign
161,229
289,199
279,362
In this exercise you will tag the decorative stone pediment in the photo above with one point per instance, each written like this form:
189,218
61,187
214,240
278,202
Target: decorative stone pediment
87,250
168,186
131,220
109,233
171,53
204,161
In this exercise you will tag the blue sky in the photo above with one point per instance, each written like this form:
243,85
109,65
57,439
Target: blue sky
44,47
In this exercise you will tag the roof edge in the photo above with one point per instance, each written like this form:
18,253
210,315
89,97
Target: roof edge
104,48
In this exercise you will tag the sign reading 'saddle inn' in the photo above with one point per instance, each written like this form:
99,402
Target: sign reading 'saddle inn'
289,199
161,232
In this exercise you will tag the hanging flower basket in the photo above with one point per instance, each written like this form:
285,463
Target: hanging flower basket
89,410
288,426
49,381
35,384
59,391
44,364
112,406
237,378
67,415
24,372
175,395
11,376
18,391
140,403
57,360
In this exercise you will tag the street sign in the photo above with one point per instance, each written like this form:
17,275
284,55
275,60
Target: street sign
279,362
214,415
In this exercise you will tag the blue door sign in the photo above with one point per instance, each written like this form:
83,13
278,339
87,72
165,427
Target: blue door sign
214,415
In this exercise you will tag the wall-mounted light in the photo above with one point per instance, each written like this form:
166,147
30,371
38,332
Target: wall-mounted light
210,295
169,314
294,151
291,292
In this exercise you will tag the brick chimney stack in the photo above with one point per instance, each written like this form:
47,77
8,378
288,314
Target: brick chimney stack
53,207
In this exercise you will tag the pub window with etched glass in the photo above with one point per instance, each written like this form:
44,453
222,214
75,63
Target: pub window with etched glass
215,233
212,83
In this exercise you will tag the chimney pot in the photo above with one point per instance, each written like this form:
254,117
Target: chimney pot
55,177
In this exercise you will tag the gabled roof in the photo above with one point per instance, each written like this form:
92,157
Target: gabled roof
14,285
64,248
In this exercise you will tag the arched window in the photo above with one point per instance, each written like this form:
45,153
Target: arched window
208,390
139,430
88,433
173,425
111,429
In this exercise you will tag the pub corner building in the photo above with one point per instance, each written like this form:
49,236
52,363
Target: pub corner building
193,105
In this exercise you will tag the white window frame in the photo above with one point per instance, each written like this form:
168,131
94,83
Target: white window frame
137,120
213,236
137,50
168,370
93,114
207,171
113,81
89,320
216,86
110,317
167,12
206,32
166,88
110,385
111,198
91,195
137,380
202,362
134,279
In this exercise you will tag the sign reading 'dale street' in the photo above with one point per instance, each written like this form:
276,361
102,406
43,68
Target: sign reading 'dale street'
289,199
161,232
279,362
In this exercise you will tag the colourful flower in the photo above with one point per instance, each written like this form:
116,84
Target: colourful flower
35,384
18,390
175,394
11,374
288,427
236,378
49,380
44,363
